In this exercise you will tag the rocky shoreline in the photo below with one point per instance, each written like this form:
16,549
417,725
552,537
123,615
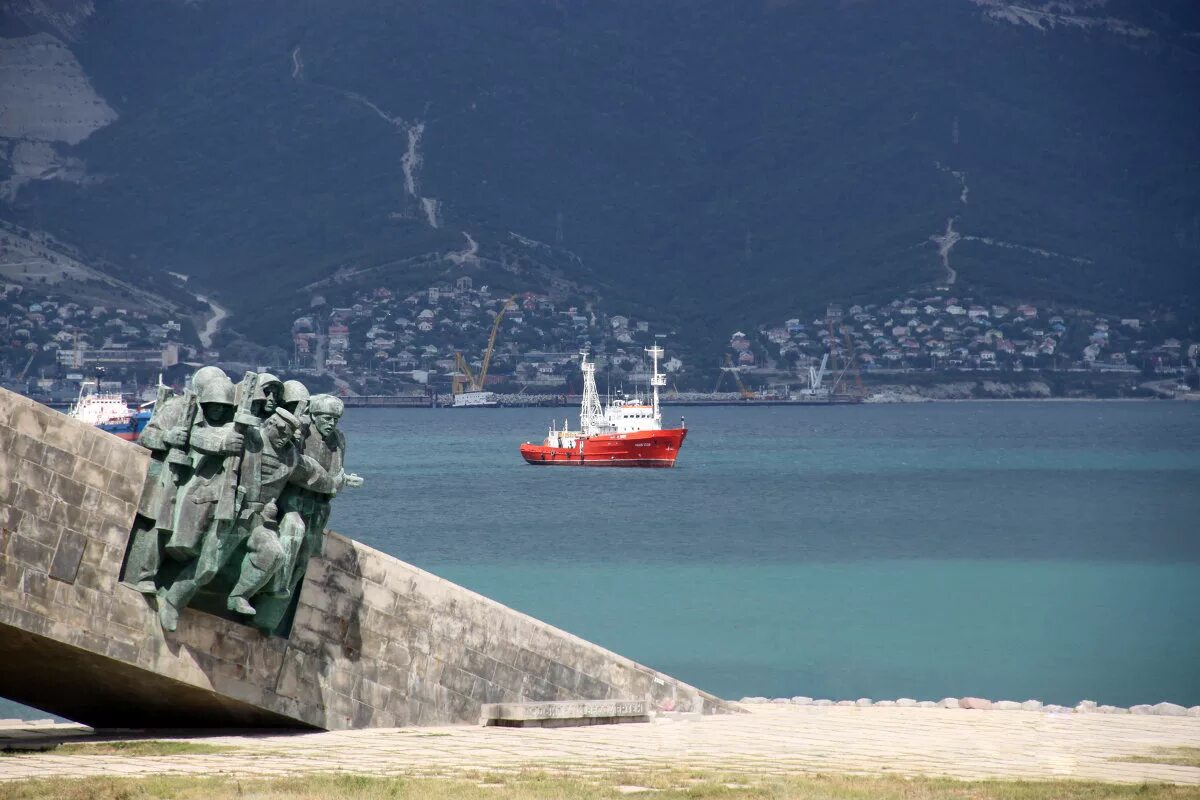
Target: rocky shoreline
981,704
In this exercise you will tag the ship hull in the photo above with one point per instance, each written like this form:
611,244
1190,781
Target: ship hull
128,430
657,448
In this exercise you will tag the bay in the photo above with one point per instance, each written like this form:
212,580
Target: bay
1007,550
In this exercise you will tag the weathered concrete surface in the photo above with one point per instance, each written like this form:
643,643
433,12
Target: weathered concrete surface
376,642
554,714
770,740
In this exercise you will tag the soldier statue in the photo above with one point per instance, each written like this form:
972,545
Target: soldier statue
272,462
268,397
145,551
305,509
239,477
295,400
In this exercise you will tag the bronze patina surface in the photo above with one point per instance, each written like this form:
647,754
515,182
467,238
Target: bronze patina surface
236,497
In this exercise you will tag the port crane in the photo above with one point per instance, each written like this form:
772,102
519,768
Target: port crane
849,365
464,379
817,376
729,367
24,369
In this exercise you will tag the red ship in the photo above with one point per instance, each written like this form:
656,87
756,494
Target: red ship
626,433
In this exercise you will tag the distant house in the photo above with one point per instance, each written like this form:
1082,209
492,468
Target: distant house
339,337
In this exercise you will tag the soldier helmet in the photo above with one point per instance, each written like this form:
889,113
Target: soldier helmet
285,417
215,390
206,375
266,379
294,392
325,404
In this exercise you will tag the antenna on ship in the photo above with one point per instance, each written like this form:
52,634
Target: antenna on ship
590,413
656,380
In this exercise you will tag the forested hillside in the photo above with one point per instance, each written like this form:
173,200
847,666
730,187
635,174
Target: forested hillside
702,162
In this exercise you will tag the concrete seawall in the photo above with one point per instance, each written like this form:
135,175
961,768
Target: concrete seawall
375,642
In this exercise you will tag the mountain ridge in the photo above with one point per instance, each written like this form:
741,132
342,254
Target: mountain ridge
717,163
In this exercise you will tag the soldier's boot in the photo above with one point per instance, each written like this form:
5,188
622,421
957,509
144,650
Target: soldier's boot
143,563
170,600
259,565
168,615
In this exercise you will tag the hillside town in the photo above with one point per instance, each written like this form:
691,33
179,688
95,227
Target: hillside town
384,338
46,339
942,332
380,341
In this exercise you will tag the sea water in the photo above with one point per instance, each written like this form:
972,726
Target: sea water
1008,550
1013,550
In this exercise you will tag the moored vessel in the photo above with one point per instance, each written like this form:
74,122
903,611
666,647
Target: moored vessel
628,432
109,412
474,399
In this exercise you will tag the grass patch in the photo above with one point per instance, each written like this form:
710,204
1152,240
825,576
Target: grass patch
665,785
1175,756
133,747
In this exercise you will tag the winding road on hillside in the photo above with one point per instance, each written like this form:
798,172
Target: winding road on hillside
218,314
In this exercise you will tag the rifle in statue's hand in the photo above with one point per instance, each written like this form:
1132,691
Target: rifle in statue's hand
301,431
153,434
162,396
229,504
180,443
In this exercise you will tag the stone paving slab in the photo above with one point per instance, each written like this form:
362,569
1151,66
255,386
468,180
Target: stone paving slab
958,743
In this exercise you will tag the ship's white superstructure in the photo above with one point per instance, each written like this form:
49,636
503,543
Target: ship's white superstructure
99,408
475,400
622,414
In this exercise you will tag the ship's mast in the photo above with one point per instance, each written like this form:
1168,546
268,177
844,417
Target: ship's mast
591,416
656,380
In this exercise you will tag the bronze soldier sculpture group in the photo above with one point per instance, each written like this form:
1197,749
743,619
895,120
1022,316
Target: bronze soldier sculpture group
239,486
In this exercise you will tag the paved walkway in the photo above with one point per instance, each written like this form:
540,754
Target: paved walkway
779,739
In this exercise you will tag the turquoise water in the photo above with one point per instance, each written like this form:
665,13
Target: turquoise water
1006,550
